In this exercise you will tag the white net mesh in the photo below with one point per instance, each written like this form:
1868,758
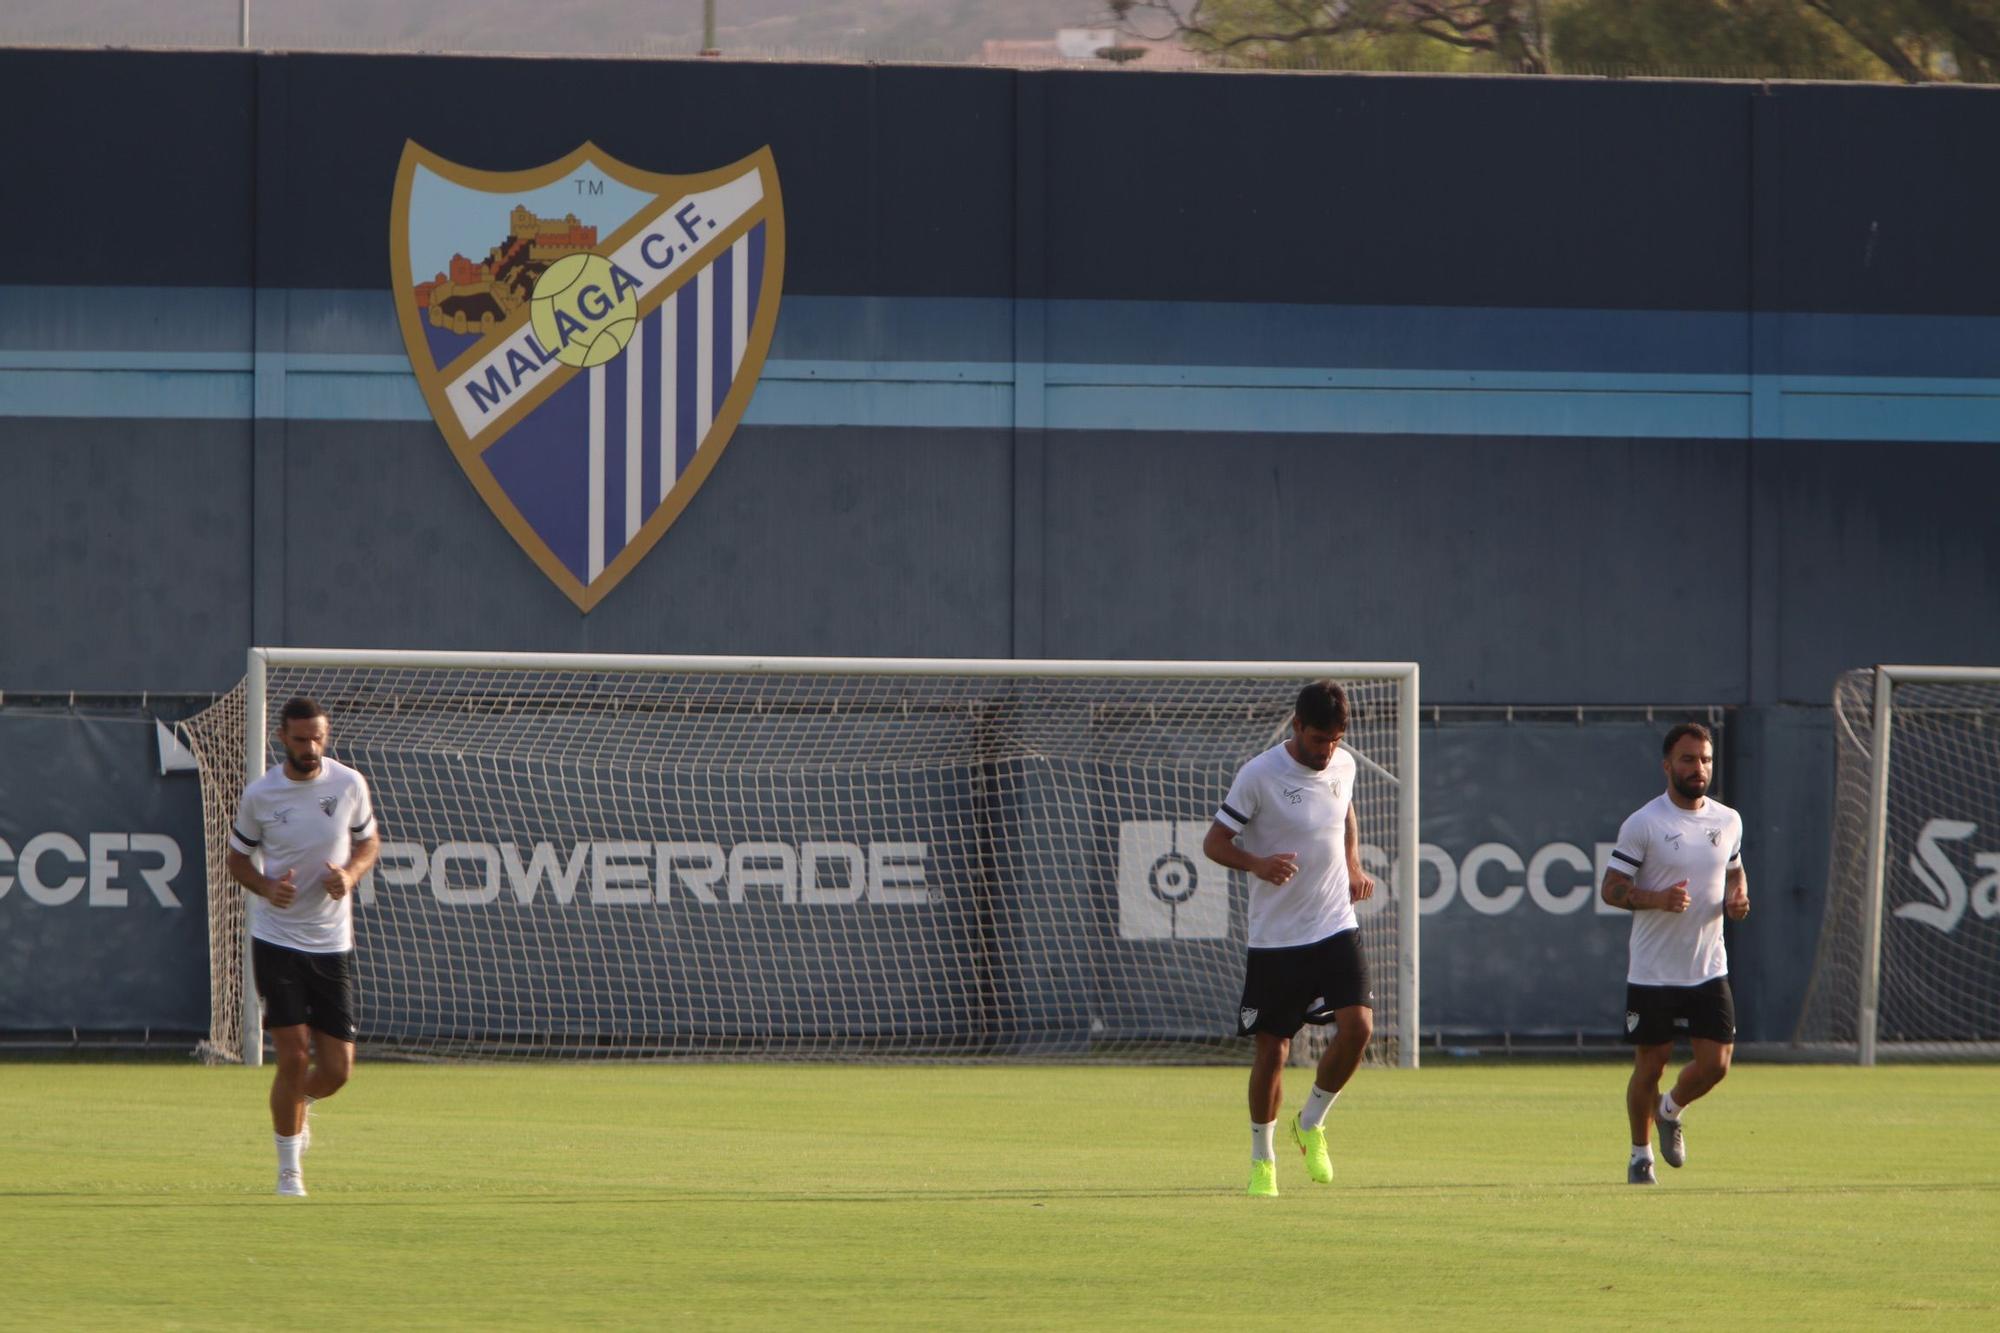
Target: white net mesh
1939,989
796,864
215,736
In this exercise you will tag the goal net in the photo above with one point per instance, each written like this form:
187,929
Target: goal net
799,858
1909,954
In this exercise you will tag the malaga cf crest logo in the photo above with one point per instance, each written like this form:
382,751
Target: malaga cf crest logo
587,335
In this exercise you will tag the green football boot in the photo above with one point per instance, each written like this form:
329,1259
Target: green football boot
1263,1179
1312,1142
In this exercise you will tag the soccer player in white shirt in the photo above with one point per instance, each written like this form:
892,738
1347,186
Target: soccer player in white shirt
312,821
1289,823
1678,868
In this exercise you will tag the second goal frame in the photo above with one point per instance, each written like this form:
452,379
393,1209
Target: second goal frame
1887,678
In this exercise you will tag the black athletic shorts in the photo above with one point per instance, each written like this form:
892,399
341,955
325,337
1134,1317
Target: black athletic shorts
1656,1014
316,989
1283,989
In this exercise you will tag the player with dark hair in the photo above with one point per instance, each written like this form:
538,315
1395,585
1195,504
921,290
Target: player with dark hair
1289,824
1678,868
311,821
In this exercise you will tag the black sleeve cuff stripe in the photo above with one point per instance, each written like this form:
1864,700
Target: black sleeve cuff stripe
245,839
1626,859
1227,810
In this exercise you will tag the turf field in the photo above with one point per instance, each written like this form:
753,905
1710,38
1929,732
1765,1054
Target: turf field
781,1196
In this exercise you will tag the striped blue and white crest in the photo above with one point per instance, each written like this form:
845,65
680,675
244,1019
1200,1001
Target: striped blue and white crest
587,336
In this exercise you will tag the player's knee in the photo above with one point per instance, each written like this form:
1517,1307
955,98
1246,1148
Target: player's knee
293,1060
335,1068
1358,1026
1717,1067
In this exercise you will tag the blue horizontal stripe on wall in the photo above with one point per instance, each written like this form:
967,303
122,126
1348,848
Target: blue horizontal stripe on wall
1083,397
185,353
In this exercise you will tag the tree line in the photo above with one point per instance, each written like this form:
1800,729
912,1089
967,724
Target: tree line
1915,41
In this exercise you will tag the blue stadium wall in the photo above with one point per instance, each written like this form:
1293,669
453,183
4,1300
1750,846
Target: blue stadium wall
1577,392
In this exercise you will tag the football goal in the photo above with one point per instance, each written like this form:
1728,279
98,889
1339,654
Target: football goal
771,858
1909,954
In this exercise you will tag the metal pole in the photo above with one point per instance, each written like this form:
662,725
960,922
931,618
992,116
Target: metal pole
244,24
1878,835
252,1015
1409,868
708,46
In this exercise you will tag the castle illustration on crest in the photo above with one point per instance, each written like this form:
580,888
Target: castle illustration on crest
478,297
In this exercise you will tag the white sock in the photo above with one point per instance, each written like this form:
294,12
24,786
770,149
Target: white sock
1318,1102
1642,1153
288,1151
1667,1107
1260,1142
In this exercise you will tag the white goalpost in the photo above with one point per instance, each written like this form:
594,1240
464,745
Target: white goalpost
1908,963
623,856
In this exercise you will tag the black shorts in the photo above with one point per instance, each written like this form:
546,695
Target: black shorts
1283,989
316,989
1659,1014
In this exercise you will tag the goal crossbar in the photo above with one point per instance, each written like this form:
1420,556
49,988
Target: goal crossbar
642,663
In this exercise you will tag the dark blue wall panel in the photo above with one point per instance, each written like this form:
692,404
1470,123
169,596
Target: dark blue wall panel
1887,553
131,168
1527,571
1885,208
1398,190
124,555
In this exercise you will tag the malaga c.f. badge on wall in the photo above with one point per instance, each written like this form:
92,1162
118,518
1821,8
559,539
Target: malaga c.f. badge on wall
587,335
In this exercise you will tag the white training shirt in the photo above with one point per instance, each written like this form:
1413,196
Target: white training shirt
1279,805
1659,845
300,826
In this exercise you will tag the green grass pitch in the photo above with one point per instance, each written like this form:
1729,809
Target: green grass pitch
774,1196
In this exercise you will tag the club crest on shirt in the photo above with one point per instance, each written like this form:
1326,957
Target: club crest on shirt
1715,837
587,336
326,804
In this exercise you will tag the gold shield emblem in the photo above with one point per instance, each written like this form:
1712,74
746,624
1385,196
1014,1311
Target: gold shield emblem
587,336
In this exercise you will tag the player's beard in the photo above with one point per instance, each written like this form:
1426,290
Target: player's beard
308,769
1691,789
